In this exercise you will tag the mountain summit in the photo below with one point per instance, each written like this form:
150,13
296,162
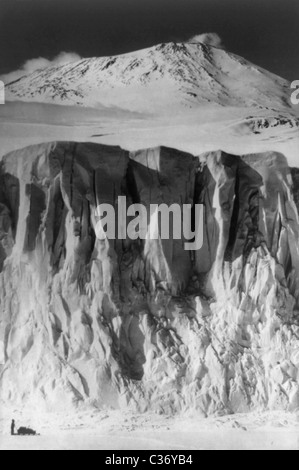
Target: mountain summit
165,78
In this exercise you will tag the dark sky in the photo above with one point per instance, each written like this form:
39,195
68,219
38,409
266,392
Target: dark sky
265,32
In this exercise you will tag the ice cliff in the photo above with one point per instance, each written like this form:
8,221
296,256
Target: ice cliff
146,324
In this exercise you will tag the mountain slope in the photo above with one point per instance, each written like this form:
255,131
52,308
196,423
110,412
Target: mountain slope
157,80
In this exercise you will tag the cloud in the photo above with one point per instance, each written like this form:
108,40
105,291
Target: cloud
211,39
39,64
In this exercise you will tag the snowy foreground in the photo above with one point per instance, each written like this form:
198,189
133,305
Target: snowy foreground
113,430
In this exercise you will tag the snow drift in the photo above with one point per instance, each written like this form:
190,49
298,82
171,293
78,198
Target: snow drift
148,325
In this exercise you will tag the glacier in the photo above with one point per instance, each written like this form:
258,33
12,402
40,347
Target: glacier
146,325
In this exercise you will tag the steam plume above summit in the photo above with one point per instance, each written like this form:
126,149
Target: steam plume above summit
210,39
40,63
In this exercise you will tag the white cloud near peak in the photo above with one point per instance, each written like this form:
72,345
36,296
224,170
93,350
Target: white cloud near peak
211,39
40,63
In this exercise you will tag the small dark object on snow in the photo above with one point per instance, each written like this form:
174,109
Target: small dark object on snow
26,432
13,427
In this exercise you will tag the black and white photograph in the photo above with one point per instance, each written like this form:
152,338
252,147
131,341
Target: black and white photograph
149,227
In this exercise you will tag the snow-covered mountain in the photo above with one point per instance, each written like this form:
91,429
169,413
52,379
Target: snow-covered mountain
173,76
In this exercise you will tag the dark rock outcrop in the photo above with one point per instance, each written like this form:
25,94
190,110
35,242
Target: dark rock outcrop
295,177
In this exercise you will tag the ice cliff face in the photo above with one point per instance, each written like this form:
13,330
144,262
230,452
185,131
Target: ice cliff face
147,324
